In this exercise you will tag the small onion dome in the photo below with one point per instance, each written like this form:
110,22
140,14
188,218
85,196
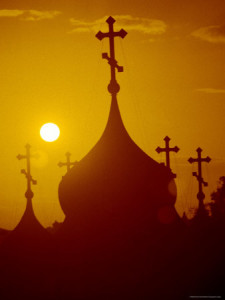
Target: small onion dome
27,260
28,236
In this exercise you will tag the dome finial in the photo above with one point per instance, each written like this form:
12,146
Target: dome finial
113,86
201,182
167,149
68,162
29,194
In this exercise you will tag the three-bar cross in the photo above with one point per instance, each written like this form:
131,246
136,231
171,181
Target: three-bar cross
167,149
113,87
199,160
29,194
68,163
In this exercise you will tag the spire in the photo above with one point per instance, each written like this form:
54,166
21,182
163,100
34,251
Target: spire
199,160
115,123
29,223
113,86
29,193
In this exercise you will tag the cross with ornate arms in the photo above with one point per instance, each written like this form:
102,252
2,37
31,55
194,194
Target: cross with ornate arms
113,87
68,163
199,160
29,194
167,149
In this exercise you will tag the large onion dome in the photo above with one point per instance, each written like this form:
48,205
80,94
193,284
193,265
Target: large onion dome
117,184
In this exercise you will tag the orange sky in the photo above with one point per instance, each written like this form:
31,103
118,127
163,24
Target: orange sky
52,71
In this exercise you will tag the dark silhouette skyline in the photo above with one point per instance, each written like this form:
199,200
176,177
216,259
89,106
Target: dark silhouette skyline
122,237
52,72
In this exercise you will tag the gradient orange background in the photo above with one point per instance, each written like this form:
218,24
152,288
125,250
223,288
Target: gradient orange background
52,71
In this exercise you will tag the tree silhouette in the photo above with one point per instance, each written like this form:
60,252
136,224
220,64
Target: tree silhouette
217,206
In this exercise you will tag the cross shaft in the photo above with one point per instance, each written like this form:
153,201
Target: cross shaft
68,163
201,182
29,194
167,150
113,87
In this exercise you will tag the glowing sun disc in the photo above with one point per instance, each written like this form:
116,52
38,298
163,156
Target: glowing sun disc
49,132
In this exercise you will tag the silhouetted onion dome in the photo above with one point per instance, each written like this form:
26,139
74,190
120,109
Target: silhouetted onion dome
28,234
117,184
29,225
27,260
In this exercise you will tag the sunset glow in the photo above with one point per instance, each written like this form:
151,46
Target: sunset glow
112,149
52,69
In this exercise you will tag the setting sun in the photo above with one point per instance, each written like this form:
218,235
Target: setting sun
49,132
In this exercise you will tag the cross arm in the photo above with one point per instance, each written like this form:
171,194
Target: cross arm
207,159
175,149
192,160
61,164
122,33
159,149
101,35
19,156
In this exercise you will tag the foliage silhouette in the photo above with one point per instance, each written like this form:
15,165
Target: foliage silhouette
217,206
